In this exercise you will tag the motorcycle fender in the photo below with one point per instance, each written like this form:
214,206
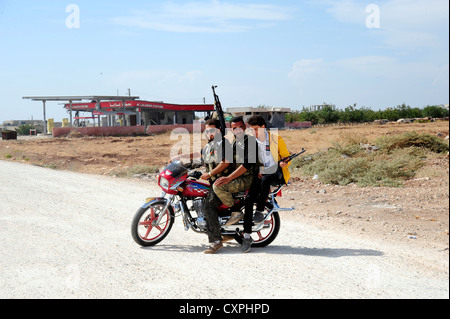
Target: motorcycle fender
152,200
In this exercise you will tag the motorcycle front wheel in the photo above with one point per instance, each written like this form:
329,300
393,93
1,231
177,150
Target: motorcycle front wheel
144,228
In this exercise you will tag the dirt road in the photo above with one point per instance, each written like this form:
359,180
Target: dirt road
67,235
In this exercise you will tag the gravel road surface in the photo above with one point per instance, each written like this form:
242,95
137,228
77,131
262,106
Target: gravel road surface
67,235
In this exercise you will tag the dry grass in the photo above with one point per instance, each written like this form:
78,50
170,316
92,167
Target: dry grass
397,158
134,170
317,139
126,155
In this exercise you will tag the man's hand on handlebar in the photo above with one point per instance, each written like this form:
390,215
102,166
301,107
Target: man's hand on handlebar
206,176
195,174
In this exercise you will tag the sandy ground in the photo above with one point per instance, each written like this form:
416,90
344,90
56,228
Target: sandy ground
397,237
111,155
417,213
67,235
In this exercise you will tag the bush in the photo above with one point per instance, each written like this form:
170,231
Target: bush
24,129
398,158
390,170
352,114
333,169
412,139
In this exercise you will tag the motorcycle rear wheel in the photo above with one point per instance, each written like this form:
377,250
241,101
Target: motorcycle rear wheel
268,234
143,228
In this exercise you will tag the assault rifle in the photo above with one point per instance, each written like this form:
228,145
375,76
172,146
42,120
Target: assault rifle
219,110
276,169
290,158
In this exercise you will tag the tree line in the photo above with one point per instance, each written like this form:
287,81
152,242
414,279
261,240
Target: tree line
352,114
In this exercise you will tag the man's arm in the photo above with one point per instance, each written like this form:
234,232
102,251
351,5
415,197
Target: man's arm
250,156
225,180
219,169
238,173
283,151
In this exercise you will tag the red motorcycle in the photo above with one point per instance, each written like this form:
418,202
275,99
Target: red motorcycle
184,195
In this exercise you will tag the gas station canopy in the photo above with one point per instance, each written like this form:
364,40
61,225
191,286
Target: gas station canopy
81,98
114,105
71,99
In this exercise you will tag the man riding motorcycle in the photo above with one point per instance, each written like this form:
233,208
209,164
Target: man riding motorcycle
272,149
213,156
245,164
197,202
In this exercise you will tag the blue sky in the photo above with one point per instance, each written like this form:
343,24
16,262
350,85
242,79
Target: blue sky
279,53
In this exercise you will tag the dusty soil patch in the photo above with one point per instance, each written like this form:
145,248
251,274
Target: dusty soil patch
418,213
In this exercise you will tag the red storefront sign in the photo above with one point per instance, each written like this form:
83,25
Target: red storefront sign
115,105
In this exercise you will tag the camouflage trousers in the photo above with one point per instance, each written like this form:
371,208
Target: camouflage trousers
225,192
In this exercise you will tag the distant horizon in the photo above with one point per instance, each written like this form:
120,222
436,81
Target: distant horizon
445,106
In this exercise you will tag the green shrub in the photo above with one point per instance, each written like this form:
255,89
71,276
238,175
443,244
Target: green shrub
412,139
398,158
24,129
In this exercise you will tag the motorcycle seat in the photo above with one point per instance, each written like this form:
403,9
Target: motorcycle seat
240,195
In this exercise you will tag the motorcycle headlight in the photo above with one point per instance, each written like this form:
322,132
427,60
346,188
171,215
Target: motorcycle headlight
164,183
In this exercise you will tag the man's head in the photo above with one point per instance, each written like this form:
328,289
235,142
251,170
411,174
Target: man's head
257,123
212,128
238,127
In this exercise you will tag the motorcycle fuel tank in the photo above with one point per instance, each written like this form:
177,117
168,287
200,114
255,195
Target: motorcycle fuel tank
196,189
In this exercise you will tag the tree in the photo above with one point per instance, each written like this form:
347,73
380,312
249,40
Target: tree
24,129
328,114
352,114
435,111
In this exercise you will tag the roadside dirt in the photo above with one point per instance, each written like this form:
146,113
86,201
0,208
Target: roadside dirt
417,214
67,235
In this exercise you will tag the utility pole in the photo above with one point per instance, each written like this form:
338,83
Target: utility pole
45,118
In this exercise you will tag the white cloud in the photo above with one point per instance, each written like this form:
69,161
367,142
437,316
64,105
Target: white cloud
366,63
415,15
206,17
216,10
395,14
304,68
404,23
347,11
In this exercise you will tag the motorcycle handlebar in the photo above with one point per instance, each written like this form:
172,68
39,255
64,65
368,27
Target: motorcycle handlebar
195,174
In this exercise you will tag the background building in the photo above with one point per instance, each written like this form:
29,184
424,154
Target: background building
14,124
275,117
